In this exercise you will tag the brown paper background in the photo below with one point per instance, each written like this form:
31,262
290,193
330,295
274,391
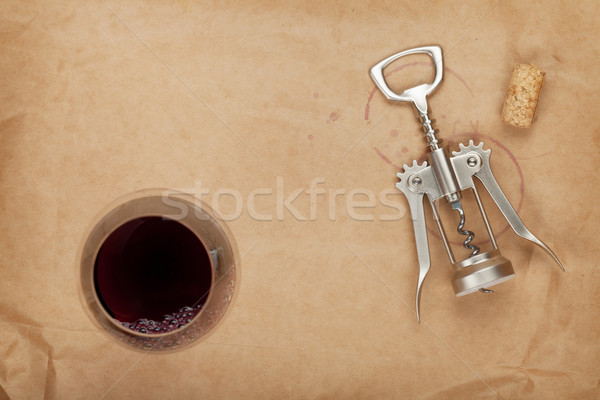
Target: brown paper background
99,99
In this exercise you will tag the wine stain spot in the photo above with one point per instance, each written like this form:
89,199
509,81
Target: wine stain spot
315,95
385,158
334,116
394,133
310,137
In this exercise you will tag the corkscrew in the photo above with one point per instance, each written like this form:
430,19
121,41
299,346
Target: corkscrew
447,178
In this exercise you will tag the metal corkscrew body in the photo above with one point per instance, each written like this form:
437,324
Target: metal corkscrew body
445,178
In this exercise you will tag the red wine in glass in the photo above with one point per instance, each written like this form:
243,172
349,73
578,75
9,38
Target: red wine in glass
153,274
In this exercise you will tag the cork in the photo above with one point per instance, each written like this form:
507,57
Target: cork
522,95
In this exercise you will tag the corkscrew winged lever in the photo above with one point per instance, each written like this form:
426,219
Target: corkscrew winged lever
446,178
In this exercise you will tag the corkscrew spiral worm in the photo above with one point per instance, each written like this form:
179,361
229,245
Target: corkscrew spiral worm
470,235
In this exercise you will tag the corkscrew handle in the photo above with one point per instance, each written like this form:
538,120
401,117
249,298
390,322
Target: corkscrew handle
417,95
418,219
415,203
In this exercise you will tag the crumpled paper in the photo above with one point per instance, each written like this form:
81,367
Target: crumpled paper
265,101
